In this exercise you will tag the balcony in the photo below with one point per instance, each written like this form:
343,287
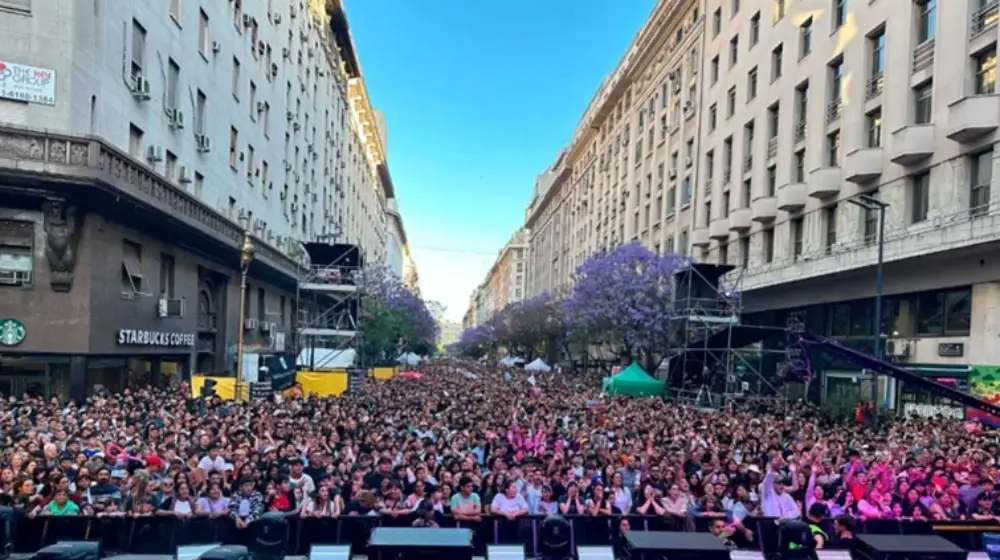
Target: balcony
719,228
984,19
912,144
801,128
700,237
824,182
764,208
923,56
973,117
863,165
833,111
739,219
772,148
792,197
874,86
207,322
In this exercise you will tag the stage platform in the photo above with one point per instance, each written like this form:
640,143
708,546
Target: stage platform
735,555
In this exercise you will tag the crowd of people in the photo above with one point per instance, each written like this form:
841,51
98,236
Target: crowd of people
469,439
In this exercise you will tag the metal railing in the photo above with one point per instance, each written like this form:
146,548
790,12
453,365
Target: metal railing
162,535
984,18
923,56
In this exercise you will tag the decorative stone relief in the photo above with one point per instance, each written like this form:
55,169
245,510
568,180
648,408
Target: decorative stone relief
61,222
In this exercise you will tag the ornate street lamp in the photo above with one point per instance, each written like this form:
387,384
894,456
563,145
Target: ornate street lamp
246,257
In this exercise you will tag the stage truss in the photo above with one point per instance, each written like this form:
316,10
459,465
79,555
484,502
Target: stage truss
328,300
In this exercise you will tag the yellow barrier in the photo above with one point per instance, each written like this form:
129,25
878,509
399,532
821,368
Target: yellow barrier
225,387
383,372
322,383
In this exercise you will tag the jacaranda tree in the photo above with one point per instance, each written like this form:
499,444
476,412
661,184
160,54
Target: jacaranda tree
395,319
525,328
622,300
474,343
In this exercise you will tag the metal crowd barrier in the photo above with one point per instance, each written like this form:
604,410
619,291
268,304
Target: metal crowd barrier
161,535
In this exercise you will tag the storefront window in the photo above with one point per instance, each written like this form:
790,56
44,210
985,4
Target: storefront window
944,312
840,320
958,311
930,315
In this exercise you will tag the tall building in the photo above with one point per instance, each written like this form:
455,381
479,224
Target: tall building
133,157
629,172
506,281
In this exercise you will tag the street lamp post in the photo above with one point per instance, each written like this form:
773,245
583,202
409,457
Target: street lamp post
871,204
246,257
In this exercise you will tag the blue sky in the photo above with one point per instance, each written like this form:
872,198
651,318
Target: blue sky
479,98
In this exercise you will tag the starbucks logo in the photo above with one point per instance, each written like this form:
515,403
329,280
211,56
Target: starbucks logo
12,332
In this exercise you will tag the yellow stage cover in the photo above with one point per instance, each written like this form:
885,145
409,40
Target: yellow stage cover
327,383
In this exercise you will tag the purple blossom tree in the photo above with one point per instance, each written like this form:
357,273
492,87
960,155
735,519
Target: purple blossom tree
395,319
622,300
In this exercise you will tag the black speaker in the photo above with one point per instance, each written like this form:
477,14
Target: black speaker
654,545
270,535
910,547
70,550
226,552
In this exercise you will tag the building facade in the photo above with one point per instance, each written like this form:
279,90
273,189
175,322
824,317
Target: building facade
133,157
629,172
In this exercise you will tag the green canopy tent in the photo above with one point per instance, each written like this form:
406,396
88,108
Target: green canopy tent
634,382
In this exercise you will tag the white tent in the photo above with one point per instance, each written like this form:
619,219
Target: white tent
409,359
326,358
508,361
538,365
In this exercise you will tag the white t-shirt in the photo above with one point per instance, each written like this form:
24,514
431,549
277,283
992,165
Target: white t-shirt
208,464
503,504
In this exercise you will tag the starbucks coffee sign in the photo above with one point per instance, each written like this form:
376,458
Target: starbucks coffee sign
12,332
133,337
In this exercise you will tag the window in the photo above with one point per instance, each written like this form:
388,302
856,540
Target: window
713,117
170,167
131,269
250,165
771,181
236,79
173,84
752,84
836,70
203,39
980,177
199,112
686,191
986,71
253,101
238,15
870,219
717,22
135,141
755,29
714,70
830,222
175,10
16,255
777,56
797,230
708,212
923,103
199,184
926,20
726,199
138,48
734,51
944,312
833,149
745,251
747,193
876,45
731,102
873,123
723,253
839,13
768,241
779,9
735,4
234,150
920,197
682,246
805,38
709,165
166,275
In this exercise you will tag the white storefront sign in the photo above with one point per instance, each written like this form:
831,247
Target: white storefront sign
932,410
132,337
27,83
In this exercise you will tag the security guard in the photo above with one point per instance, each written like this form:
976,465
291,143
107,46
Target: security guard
814,518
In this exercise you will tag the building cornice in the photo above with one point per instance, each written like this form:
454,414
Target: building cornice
361,102
562,172
342,35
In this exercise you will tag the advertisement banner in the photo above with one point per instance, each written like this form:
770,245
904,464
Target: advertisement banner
27,83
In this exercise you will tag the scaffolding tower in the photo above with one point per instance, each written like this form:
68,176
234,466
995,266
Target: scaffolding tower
329,330
713,355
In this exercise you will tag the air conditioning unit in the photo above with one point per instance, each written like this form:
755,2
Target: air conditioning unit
288,165
247,20
251,323
261,47
175,118
295,207
285,53
897,348
267,327
170,308
291,12
154,154
140,88
261,106
283,195
289,116
672,173
203,143
276,19
184,177
688,106
688,162
274,68
216,47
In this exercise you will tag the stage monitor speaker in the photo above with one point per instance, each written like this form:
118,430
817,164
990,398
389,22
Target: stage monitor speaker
70,550
595,553
910,547
194,551
656,545
329,552
504,552
226,552
391,543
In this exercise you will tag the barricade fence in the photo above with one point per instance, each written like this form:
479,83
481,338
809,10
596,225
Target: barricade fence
162,535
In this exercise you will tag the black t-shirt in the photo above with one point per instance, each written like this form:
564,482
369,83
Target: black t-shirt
373,480
354,506
846,543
